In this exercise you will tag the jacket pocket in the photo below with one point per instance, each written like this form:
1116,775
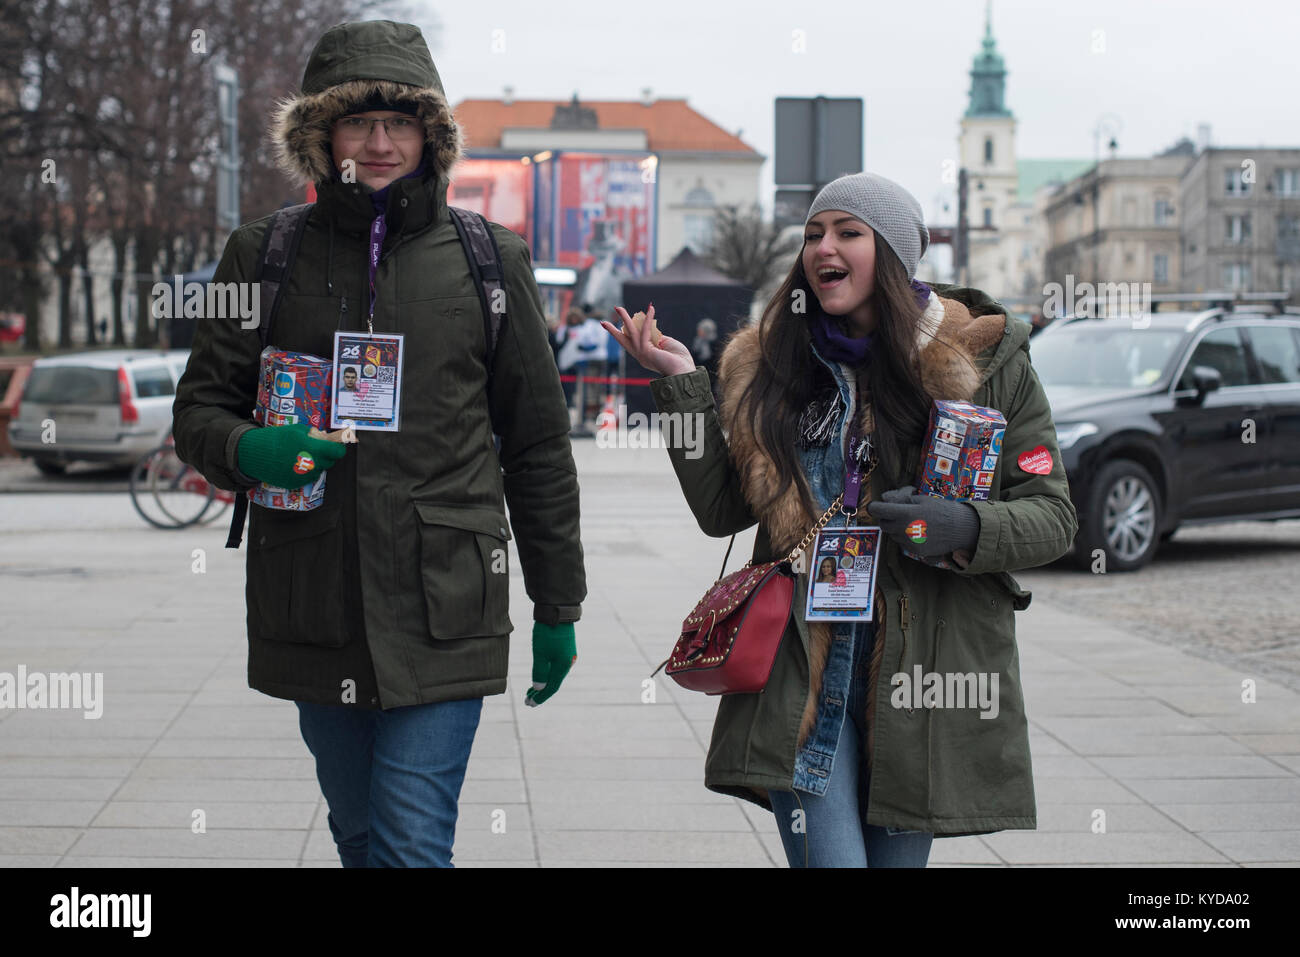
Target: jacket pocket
294,586
463,564
1019,596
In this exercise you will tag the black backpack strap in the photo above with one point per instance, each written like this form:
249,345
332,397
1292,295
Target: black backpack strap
489,275
275,261
280,245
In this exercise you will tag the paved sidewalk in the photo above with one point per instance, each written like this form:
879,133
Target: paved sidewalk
1156,739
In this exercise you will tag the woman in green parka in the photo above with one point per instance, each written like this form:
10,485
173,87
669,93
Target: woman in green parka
838,377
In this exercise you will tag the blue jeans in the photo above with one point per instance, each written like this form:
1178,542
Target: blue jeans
835,832
392,778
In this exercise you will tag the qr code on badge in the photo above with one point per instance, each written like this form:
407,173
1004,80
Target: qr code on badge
862,563
384,374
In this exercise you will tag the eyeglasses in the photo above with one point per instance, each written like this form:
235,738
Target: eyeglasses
398,128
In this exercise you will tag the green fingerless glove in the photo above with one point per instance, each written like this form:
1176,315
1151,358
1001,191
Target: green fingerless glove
285,456
554,651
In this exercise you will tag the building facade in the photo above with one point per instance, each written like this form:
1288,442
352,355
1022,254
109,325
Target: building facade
1118,223
1241,221
700,166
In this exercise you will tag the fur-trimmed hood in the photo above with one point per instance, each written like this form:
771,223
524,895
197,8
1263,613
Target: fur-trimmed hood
352,61
951,341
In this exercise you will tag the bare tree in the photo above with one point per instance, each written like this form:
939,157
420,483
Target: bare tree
119,96
746,247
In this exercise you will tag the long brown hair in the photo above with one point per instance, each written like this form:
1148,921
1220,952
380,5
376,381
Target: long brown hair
788,376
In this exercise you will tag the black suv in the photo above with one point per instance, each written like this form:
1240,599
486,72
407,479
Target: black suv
1169,419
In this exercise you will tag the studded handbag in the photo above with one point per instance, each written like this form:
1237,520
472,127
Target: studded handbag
729,641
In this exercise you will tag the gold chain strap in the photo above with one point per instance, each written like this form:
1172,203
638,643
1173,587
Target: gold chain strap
826,517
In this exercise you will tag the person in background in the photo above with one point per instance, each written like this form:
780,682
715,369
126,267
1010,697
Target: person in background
584,344
704,350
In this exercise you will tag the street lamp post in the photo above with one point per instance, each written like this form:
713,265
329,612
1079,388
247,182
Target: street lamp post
1108,124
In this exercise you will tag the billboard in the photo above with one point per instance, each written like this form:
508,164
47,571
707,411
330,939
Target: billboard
595,212
500,189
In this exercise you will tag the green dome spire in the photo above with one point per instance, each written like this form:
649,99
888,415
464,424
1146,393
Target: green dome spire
988,75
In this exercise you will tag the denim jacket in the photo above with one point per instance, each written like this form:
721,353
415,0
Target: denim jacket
824,469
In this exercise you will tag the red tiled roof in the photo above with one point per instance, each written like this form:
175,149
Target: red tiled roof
669,124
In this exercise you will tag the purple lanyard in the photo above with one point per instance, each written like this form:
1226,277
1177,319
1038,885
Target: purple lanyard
378,230
852,476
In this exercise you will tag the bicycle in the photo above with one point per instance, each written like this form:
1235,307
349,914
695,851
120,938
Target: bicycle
170,494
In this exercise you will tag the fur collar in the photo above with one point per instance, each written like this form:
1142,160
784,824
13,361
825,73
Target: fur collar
300,127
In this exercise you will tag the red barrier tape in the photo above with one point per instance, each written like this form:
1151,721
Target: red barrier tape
607,379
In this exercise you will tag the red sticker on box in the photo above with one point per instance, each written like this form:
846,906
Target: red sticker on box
1037,460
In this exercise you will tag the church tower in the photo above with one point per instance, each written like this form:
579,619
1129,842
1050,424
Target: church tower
988,136
988,153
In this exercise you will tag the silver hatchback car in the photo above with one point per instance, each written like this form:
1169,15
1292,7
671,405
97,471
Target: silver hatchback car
109,407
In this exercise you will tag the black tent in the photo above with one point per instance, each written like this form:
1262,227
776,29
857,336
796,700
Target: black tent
685,291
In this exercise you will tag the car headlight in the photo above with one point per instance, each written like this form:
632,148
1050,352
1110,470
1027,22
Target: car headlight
1067,433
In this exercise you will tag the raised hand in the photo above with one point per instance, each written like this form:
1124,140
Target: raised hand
667,356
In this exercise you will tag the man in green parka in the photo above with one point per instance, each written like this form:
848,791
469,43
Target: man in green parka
383,612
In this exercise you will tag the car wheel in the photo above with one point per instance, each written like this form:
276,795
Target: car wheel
1122,518
50,467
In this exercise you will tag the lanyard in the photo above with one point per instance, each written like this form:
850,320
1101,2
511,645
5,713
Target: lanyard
378,230
853,476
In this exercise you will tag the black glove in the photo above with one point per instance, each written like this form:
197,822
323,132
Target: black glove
948,525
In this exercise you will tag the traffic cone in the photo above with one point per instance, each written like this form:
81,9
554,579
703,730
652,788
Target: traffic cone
607,421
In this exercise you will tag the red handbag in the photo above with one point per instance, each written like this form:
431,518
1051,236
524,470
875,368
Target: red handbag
729,641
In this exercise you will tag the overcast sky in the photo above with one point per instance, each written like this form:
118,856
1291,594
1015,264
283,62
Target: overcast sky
1167,65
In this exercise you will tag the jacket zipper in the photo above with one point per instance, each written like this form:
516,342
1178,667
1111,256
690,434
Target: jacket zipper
903,607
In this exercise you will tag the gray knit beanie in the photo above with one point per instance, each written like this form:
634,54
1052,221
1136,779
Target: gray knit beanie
884,206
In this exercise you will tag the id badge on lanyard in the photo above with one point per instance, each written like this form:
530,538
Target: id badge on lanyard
367,385
842,572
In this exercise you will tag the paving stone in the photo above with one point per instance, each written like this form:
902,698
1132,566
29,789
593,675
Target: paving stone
1254,818
602,846
1257,846
48,813
1020,847
217,814
179,842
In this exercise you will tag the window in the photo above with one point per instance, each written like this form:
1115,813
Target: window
1276,352
1221,349
71,385
1287,182
1103,354
1164,212
1237,228
988,216
1233,184
1288,227
699,232
1236,276
988,151
1161,263
699,196
150,383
